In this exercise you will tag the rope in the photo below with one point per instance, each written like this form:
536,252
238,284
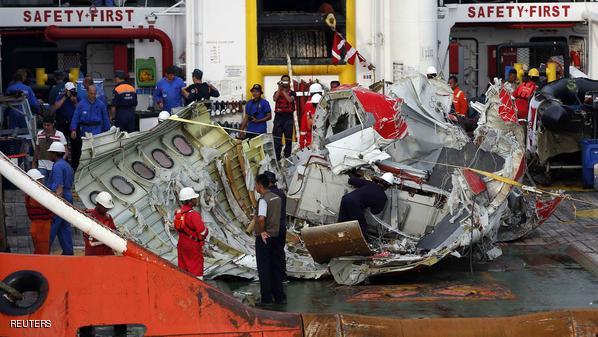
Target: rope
515,183
13,294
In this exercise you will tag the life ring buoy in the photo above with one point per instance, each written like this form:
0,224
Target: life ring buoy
32,284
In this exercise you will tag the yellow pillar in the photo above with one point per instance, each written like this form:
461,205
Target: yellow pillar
256,72
253,75
40,76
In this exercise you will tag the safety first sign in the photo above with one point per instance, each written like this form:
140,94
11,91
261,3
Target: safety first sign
78,15
75,16
513,12
518,11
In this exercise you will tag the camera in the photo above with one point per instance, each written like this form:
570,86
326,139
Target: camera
283,83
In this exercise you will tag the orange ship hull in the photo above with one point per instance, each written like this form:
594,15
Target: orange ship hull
144,289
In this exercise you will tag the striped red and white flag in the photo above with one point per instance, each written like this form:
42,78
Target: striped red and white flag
341,47
337,48
350,53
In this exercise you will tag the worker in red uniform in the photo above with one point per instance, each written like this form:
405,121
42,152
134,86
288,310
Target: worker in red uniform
309,112
104,203
192,233
41,219
525,91
459,99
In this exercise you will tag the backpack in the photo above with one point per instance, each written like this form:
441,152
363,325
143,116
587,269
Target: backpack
179,220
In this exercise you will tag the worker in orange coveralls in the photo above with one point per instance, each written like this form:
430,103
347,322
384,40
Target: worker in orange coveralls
104,203
41,219
459,99
309,112
192,233
525,91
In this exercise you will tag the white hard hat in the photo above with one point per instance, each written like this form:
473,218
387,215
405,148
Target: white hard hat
388,177
431,70
105,199
163,115
57,147
187,193
69,86
316,98
35,174
315,87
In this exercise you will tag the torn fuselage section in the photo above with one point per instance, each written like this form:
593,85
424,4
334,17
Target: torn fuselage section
439,203
145,170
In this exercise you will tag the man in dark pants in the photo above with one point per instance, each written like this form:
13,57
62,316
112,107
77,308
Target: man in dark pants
284,108
283,222
368,194
124,101
267,231
90,116
61,183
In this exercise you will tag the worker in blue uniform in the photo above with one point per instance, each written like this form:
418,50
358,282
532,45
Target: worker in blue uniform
64,106
124,102
91,116
169,91
61,183
57,88
368,194
257,114
82,90
16,117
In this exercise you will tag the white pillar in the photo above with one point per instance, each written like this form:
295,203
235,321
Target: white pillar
194,36
593,48
413,35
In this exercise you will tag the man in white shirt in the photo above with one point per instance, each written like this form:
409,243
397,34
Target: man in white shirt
45,137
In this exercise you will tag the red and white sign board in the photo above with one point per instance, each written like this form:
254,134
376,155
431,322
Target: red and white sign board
514,12
75,16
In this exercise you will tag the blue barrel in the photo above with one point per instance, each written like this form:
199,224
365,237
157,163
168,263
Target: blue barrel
589,157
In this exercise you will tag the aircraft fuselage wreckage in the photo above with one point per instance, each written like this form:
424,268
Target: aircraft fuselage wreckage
453,193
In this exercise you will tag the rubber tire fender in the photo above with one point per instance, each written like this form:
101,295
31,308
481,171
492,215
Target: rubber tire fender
24,281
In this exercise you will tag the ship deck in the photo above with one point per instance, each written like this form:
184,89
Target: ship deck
555,267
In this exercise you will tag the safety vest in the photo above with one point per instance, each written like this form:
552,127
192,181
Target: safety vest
35,211
522,95
45,140
283,105
182,227
124,95
525,90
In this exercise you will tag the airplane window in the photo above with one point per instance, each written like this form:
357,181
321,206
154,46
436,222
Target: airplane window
162,158
143,170
122,185
181,144
92,196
